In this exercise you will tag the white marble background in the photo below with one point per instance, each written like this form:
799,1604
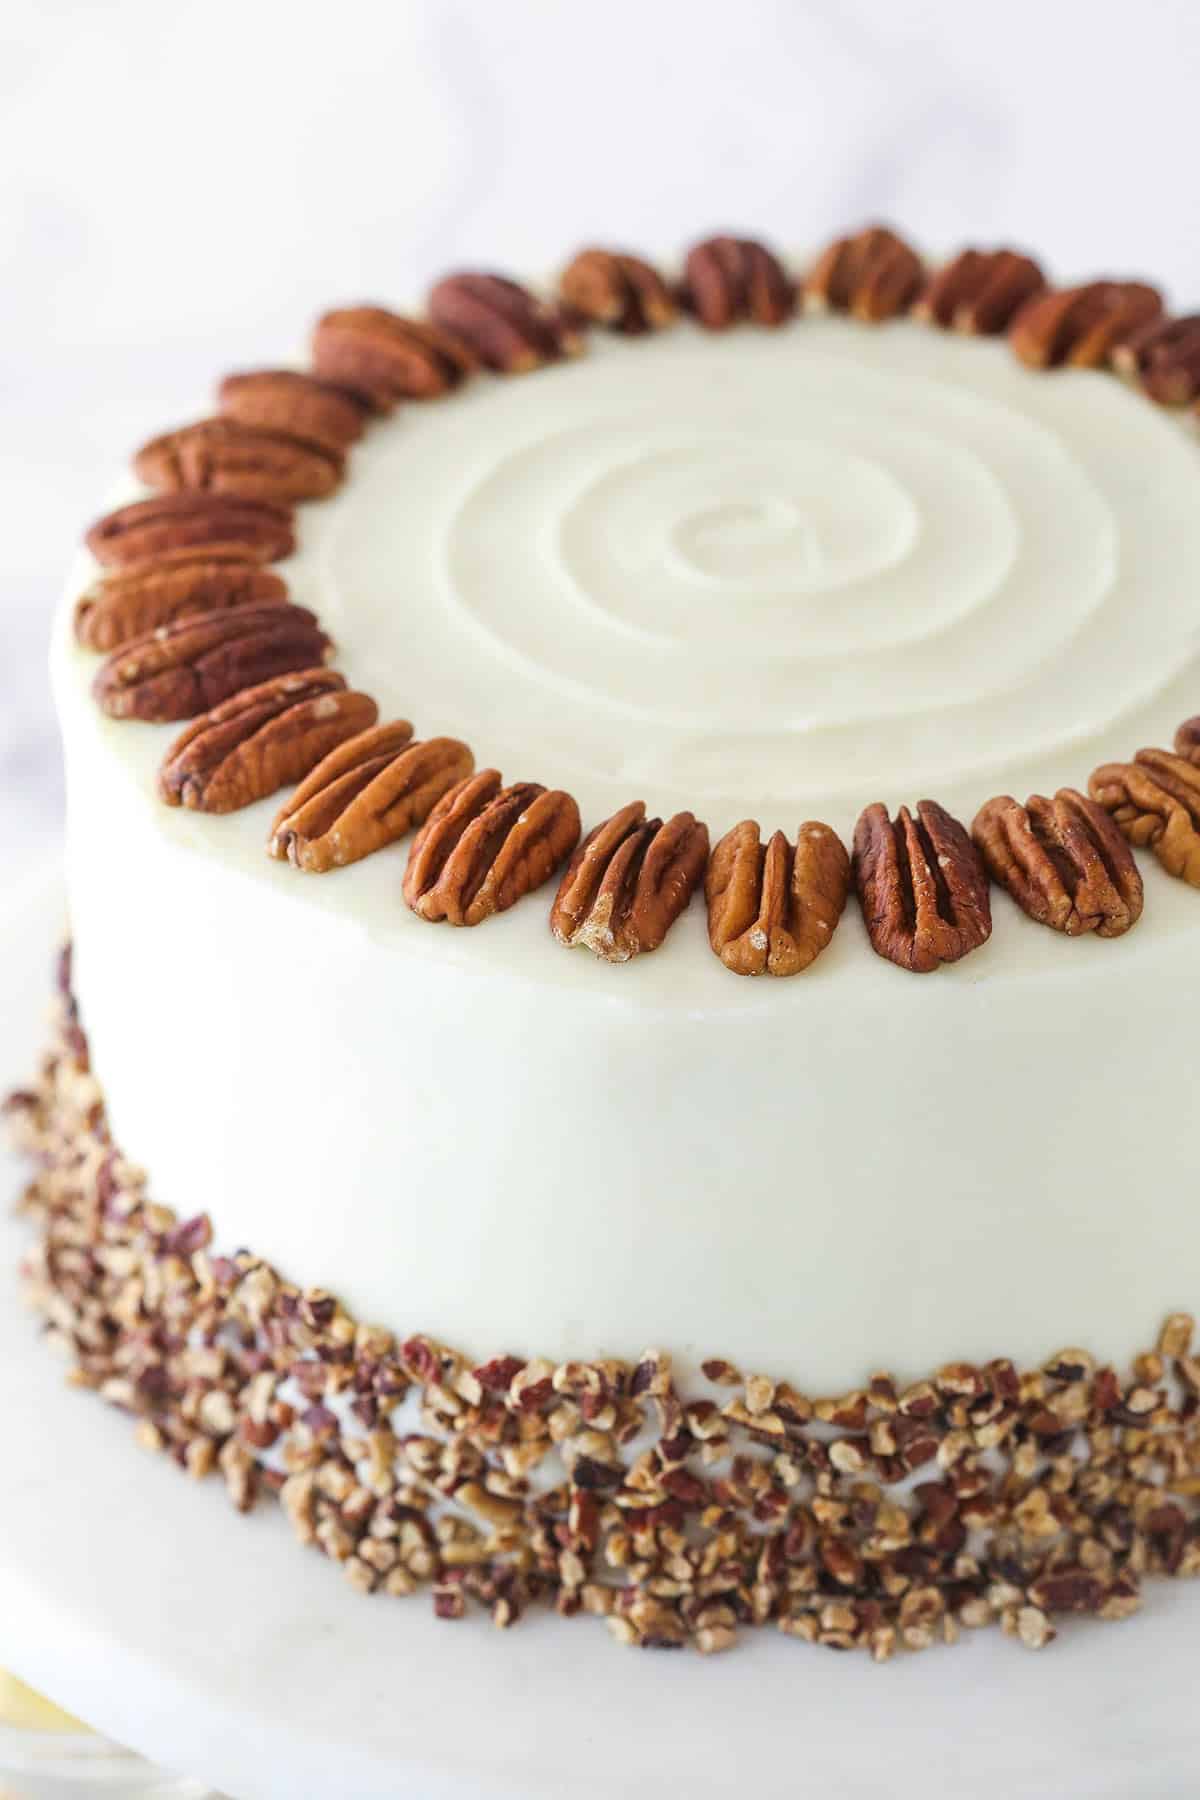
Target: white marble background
183,187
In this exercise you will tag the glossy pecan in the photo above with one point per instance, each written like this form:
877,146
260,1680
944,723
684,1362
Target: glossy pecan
874,275
386,358
368,792
1081,327
217,524
921,885
980,291
1155,800
261,740
182,669
1063,861
628,882
129,602
727,279
1187,741
485,845
298,405
508,328
1164,358
609,287
223,456
772,909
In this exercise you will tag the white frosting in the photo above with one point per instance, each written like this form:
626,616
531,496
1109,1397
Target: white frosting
776,575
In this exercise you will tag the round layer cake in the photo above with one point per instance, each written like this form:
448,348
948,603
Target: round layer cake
769,574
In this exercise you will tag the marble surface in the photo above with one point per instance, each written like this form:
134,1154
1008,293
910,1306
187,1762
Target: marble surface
184,189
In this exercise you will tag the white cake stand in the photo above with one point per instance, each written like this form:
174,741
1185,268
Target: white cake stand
216,1646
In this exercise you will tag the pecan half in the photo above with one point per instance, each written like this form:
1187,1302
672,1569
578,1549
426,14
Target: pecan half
726,279
385,358
612,288
261,740
485,845
921,885
216,524
1187,741
182,669
1164,358
300,406
508,328
367,793
223,456
980,291
773,909
1155,800
129,602
874,275
628,882
1063,861
1082,326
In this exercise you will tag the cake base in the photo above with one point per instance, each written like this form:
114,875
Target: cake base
207,1643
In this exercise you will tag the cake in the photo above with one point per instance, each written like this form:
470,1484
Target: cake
508,933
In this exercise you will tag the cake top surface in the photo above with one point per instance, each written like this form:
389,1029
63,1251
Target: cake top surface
758,574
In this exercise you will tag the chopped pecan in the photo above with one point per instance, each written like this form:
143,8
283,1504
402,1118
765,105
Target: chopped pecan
1082,326
628,882
772,910
366,793
1155,800
223,456
182,669
485,845
385,358
1187,741
129,602
609,287
261,740
216,524
726,279
921,885
1063,861
1164,358
297,405
874,275
980,291
508,328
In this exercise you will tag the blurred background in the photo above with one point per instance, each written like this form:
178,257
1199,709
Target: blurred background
183,188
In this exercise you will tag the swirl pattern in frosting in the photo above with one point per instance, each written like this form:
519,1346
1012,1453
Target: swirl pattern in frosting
807,568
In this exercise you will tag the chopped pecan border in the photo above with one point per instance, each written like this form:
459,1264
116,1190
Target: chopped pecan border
888,1518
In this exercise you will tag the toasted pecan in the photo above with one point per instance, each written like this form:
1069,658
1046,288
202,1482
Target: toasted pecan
1164,359
295,404
368,792
168,524
224,456
1081,327
921,885
184,668
979,291
628,882
612,288
1064,862
384,357
261,739
128,602
773,909
873,275
1155,799
508,328
485,845
729,279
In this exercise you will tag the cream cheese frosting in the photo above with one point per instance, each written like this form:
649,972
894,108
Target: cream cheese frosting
770,574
